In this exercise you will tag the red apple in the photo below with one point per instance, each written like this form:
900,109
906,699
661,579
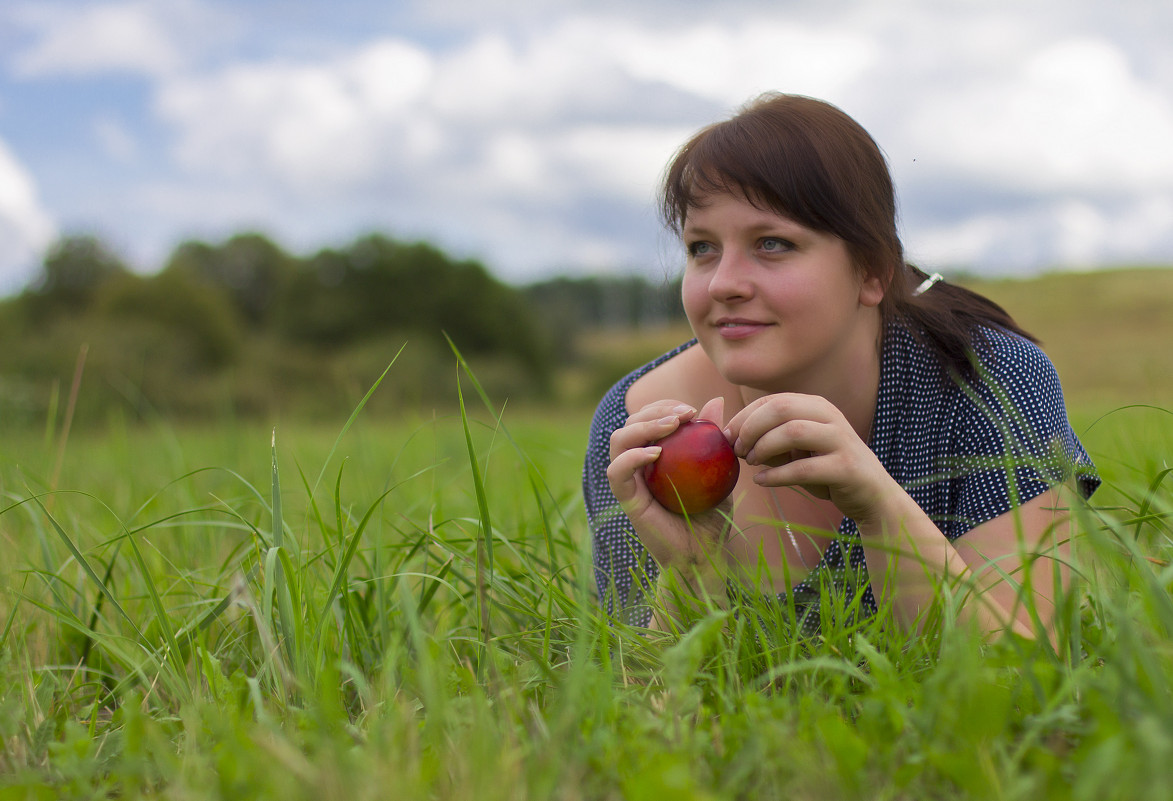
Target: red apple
697,468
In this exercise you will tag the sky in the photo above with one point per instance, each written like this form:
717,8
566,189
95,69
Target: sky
1024,135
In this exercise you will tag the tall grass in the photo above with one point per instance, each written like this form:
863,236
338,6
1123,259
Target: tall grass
407,611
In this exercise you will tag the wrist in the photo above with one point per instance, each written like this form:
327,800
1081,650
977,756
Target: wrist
702,577
888,513
686,592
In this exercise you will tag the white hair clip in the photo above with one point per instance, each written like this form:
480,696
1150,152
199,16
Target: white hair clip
927,284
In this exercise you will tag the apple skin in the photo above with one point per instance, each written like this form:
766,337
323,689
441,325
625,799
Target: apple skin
696,470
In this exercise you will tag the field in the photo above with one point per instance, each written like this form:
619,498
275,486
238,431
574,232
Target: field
1106,331
403,609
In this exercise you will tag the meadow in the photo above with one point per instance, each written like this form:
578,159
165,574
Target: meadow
402,607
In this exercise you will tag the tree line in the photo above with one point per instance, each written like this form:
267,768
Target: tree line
244,327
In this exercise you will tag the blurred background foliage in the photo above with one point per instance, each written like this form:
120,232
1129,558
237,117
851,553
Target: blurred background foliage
246,329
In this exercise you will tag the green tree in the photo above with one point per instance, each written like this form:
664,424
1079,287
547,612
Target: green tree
249,267
74,270
191,314
378,285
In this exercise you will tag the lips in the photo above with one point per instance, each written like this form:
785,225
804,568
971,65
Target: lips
739,327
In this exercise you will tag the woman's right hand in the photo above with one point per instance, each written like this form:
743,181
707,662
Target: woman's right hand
674,541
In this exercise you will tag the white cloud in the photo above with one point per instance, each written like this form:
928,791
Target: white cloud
590,108
1070,116
114,37
622,160
128,36
1070,233
473,145
1039,134
311,126
590,105
591,65
25,227
730,63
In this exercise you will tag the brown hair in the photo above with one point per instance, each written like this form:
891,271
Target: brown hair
809,161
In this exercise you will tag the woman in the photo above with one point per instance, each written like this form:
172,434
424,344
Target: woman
896,434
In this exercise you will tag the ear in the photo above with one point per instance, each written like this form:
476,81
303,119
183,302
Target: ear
871,290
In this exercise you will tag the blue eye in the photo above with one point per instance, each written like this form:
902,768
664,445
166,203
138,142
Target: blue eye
699,249
775,244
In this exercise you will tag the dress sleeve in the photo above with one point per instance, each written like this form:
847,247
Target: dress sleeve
1015,440
624,572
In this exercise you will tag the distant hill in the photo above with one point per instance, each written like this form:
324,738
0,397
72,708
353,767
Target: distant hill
1109,332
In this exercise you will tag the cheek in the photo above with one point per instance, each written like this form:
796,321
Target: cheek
694,295
793,296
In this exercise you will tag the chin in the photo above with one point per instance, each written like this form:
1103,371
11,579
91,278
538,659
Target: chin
746,366
755,372
750,376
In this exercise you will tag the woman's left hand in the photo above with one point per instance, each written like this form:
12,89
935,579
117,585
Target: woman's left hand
805,441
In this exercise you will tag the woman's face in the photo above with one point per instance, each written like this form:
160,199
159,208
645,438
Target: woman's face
776,306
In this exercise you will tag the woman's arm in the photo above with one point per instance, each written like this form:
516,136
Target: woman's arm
689,551
805,441
1001,570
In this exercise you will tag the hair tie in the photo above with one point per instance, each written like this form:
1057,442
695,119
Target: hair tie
927,284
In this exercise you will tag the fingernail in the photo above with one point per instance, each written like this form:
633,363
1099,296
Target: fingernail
684,409
667,421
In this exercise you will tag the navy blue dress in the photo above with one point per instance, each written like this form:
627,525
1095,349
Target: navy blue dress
966,452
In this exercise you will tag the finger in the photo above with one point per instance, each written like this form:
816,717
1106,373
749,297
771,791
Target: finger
812,473
662,408
625,475
760,417
639,433
713,410
792,440
775,411
735,424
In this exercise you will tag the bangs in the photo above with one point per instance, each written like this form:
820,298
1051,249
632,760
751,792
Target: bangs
774,173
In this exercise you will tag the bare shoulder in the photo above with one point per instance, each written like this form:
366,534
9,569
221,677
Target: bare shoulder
688,377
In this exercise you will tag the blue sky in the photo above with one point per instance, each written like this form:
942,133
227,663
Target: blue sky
1023,135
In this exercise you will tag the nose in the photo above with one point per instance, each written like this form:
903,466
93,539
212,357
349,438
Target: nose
732,280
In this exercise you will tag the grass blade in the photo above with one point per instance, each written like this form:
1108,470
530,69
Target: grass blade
89,570
340,571
278,525
354,416
156,601
485,540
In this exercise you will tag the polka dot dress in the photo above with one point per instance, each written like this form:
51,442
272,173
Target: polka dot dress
965,451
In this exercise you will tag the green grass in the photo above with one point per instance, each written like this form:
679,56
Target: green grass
404,609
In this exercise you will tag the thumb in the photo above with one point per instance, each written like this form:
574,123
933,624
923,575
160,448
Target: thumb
713,410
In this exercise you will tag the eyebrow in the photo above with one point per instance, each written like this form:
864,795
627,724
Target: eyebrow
780,226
